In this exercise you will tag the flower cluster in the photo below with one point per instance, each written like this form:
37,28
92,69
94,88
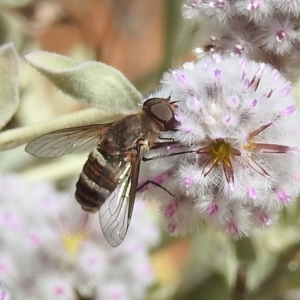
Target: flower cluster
235,161
2,294
263,30
50,249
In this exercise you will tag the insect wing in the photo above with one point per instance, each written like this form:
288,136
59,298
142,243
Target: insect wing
67,141
115,212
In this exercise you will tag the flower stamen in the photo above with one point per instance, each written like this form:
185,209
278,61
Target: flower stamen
256,167
220,152
261,148
269,148
259,130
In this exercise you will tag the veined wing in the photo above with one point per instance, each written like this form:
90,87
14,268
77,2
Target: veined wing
115,213
67,141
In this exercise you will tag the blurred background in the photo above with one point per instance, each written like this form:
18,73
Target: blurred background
142,39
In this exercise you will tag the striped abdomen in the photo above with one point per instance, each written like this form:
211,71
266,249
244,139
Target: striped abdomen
98,180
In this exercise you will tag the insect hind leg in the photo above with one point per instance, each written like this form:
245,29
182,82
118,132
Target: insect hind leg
146,183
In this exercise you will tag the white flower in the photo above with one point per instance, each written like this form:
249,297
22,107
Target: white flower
264,30
51,249
55,287
238,134
2,294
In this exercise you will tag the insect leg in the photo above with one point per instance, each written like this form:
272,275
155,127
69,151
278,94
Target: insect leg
154,183
167,139
167,155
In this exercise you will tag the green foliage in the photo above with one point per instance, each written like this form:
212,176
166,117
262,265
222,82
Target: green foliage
9,78
91,82
213,287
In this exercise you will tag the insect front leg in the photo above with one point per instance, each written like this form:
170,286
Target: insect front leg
167,139
167,155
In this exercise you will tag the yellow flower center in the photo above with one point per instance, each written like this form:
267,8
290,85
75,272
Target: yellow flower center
72,243
250,146
221,152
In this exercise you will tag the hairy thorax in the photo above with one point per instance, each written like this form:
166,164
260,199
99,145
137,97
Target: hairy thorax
125,134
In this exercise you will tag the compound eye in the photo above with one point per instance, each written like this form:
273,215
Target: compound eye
162,112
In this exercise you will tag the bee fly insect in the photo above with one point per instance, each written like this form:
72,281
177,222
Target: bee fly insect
109,179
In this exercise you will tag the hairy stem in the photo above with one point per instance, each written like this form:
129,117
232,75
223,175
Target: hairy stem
15,137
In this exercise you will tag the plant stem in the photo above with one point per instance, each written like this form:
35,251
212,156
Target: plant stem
240,288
